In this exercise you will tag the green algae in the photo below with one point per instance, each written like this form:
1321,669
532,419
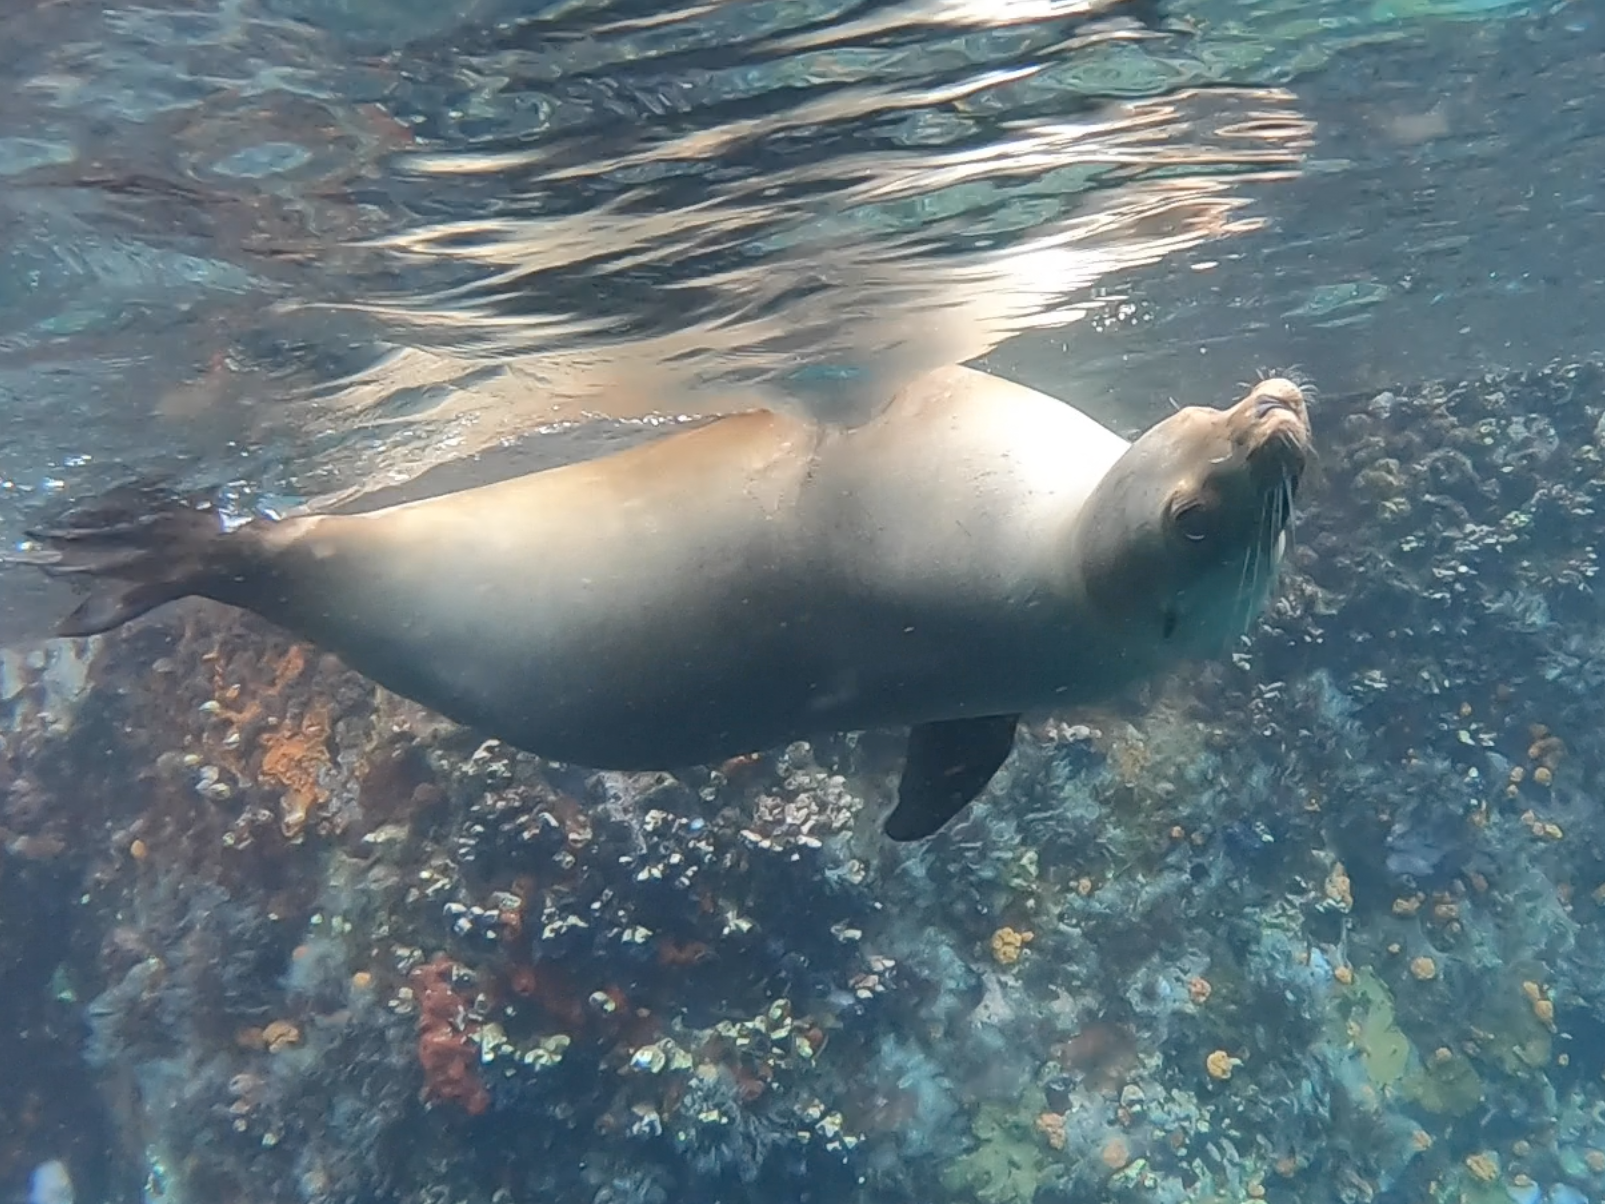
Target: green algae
1464,1188
1370,1022
1345,298
1009,1162
1446,1087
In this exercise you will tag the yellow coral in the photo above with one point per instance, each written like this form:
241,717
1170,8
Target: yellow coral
280,1035
1220,1065
1008,943
1051,1126
1339,891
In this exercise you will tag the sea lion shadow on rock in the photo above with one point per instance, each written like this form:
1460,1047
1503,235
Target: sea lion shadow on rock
976,551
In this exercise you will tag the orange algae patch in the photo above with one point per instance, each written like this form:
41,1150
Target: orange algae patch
288,670
294,760
294,754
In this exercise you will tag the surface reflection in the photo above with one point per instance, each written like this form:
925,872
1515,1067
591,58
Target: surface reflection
305,248
818,285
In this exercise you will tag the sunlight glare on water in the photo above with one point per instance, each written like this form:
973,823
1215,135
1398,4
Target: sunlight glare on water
313,248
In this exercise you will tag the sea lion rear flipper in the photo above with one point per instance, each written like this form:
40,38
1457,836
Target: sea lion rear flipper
139,547
949,763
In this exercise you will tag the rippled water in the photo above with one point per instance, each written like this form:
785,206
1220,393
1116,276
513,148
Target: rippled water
312,246
337,251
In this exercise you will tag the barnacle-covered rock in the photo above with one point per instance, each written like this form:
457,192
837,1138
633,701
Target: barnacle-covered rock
1322,920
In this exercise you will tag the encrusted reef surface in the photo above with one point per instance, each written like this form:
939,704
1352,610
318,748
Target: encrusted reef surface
1321,922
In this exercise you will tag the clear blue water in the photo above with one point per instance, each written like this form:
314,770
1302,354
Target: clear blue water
320,251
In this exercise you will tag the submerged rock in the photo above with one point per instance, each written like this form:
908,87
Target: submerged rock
1322,921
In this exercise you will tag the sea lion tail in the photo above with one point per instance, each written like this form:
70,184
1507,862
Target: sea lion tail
139,547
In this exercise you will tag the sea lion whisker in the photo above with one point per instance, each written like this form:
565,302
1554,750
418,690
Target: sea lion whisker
1264,568
1246,595
1247,585
1280,514
1244,577
1262,547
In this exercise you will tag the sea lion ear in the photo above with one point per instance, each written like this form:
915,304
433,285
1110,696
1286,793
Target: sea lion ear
948,764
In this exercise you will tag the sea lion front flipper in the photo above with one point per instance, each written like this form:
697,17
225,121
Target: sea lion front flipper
949,763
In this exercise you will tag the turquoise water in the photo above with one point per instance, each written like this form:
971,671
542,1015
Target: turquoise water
1318,921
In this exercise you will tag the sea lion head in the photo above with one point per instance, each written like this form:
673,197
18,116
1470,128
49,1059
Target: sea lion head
1180,543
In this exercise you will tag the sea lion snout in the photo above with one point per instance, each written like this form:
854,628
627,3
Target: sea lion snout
1273,407
1274,426
1275,394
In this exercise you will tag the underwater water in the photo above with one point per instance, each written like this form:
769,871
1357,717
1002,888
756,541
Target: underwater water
1321,918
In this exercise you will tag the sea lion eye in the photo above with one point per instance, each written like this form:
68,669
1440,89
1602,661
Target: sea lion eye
1192,520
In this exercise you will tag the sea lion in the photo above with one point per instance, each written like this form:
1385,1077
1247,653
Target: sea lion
977,550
